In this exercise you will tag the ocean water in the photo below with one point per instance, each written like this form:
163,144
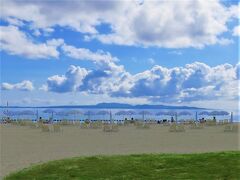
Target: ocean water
92,114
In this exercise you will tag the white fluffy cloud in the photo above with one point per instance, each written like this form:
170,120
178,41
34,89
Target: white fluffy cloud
85,54
68,82
80,16
16,42
171,24
22,86
106,77
193,82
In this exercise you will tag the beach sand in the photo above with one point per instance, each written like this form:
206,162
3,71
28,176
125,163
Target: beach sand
22,146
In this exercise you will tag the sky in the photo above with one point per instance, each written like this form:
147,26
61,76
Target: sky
138,52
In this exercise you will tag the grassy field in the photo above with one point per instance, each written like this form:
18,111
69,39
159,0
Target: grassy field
223,165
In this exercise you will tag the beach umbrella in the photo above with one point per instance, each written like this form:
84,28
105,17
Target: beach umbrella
161,113
219,113
206,113
62,113
49,111
171,113
131,113
121,113
74,112
184,113
89,114
103,113
11,113
27,112
214,113
144,113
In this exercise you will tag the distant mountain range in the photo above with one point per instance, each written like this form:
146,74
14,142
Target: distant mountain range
111,106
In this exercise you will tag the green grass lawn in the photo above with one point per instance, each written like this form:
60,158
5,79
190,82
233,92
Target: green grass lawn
224,165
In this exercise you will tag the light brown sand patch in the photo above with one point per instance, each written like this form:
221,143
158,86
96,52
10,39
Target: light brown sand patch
23,146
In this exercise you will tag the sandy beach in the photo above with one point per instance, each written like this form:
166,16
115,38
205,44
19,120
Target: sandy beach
22,146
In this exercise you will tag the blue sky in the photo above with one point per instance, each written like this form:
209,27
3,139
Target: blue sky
85,52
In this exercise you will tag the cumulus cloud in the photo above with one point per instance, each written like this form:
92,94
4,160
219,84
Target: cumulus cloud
196,81
193,82
170,24
22,86
80,16
68,82
107,74
98,81
16,42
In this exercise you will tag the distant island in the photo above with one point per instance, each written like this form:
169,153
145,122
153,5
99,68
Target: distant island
111,106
